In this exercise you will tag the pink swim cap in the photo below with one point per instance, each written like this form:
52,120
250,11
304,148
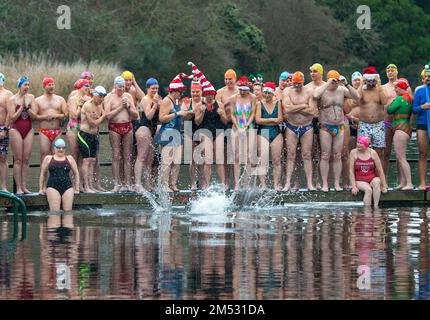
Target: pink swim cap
365,141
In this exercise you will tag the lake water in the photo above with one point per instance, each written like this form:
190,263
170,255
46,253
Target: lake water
206,251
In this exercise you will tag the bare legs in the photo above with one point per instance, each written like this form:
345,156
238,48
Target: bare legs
21,149
345,158
3,172
423,148
400,142
121,146
307,143
88,165
55,199
331,145
220,159
372,189
389,136
74,152
170,166
144,159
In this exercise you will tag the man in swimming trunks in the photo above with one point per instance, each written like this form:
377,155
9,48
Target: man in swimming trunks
222,97
316,73
92,115
372,110
390,93
300,106
331,98
5,95
285,81
50,110
20,109
132,87
120,111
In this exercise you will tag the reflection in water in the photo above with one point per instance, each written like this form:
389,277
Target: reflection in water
295,253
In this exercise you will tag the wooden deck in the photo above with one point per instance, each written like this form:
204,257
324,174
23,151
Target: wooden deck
109,199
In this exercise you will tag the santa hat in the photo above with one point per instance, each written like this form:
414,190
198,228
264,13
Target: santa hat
370,73
207,87
269,87
244,84
177,84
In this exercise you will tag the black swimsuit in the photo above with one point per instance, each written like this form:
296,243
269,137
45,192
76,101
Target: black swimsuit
212,121
144,122
59,175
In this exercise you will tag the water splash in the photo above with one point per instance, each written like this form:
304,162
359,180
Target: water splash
212,201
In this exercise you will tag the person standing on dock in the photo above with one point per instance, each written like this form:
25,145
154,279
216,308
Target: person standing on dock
92,115
59,188
331,98
366,172
5,95
421,108
300,106
401,109
351,110
132,87
285,81
316,73
372,110
120,111
144,132
242,111
223,95
172,116
268,118
391,94
50,110
86,75
20,110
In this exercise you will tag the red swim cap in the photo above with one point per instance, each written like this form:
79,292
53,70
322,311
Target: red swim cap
47,81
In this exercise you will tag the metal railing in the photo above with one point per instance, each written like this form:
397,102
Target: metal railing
17,205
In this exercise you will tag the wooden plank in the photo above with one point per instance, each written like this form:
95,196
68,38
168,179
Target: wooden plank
393,197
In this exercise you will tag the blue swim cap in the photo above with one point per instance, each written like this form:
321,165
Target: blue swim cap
284,75
356,75
59,143
151,82
2,79
21,81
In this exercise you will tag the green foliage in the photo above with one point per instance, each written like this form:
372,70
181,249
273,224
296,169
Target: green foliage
158,37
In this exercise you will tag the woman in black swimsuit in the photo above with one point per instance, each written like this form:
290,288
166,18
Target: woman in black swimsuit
59,188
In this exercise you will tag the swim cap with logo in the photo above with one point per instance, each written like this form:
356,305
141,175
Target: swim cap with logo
298,77
119,81
333,74
99,91
21,81
356,75
59,143
151,82
284,75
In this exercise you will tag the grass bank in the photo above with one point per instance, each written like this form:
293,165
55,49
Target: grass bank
37,66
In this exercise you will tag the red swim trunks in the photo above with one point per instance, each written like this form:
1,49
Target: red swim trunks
51,134
121,128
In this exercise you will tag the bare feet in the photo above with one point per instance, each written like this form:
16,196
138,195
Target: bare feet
407,187
421,188
88,190
193,187
26,191
117,188
287,188
4,190
338,189
277,188
99,188
139,188
312,188
167,189
19,191
324,189
175,188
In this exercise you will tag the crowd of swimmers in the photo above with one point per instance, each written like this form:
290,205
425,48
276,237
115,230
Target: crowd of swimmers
334,128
